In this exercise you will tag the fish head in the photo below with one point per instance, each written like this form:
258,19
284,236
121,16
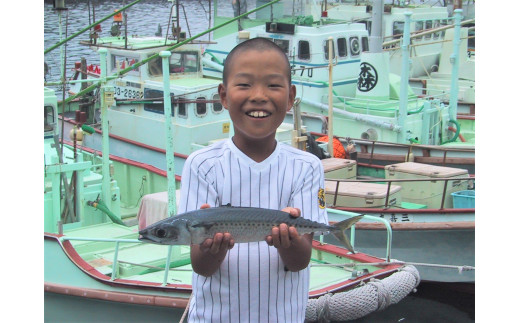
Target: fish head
172,232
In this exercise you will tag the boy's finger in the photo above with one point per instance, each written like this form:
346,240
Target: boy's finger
294,212
275,237
226,241
285,240
231,243
206,245
218,242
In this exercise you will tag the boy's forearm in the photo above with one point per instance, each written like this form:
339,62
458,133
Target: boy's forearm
297,256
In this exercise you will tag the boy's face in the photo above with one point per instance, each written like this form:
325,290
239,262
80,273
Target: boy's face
257,94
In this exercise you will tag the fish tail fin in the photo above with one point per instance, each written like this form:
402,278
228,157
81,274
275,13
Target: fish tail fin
339,233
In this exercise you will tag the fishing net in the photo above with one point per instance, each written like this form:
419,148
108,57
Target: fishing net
375,295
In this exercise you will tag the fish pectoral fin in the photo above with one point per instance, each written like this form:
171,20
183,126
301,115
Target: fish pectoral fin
204,225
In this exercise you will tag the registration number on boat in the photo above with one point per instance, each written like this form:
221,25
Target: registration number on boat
397,217
127,93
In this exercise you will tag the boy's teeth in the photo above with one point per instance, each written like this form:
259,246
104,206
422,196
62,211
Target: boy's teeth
258,114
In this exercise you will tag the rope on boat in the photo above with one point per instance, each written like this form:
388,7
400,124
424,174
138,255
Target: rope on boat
375,295
186,309
397,262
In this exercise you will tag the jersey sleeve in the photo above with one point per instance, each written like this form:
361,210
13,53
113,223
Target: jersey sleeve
197,184
310,197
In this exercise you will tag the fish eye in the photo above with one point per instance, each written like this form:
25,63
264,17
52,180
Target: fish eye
160,233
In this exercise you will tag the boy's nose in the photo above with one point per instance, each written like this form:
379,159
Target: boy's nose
258,94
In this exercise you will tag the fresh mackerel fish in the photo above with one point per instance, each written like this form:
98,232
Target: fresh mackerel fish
245,224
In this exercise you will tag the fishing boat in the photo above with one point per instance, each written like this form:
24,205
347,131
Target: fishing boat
440,81
425,47
431,210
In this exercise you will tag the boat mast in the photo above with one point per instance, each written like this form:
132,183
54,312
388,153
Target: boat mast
107,99
454,59
170,165
376,35
405,72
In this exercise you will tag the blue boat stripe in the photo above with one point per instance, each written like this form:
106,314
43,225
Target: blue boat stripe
321,85
351,61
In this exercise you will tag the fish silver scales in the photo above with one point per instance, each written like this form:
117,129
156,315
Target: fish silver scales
245,224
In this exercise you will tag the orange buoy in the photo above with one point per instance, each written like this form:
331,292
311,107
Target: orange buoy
338,149
118,17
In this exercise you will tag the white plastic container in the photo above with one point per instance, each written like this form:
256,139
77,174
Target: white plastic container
359,194
428,192
339,168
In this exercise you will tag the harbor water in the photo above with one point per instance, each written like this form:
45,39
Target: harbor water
430,303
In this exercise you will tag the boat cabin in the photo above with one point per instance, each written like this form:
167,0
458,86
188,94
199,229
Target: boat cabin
139,100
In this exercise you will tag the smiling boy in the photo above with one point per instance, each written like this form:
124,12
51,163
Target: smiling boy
265,281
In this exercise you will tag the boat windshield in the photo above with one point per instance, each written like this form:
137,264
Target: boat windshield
49,121
180,63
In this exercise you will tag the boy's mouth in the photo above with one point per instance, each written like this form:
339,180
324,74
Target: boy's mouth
258,114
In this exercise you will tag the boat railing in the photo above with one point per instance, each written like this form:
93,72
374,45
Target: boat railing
115,260
369,146
168,257
389,182
415,104
385,222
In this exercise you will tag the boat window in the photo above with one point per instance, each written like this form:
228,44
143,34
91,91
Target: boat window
398,29
283,44
48,119
354,46
155,67
436,24
201,107
217,106
364,44
444,22
342,47
368,26
154,101
120,62
184,62
471,42
181,107
419,26
326,49
427,26
304,51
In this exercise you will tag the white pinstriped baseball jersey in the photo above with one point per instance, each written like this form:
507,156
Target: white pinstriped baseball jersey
251,284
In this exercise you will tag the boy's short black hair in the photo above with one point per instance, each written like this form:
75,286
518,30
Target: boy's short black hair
258,44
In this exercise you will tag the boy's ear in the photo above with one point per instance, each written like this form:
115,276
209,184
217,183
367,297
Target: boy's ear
292,96
223,95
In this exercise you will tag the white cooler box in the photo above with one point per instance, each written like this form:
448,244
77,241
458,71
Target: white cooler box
339,168
428,193
356,194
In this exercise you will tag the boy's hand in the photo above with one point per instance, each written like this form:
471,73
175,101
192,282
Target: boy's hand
220,241
284,236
